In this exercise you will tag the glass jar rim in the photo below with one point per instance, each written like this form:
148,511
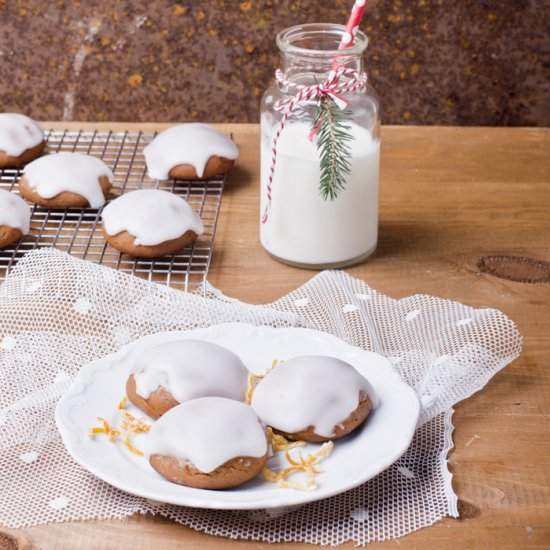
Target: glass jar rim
286,37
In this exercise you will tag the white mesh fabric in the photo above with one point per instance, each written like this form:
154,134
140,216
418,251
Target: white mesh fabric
58,313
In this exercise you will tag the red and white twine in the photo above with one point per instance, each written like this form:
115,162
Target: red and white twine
331,87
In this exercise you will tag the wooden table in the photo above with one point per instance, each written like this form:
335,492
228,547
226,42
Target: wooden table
449,196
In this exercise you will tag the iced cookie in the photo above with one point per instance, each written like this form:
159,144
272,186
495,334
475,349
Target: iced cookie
21,139
174,372
150,223
209,443
313,398
190,151
66,180
15,218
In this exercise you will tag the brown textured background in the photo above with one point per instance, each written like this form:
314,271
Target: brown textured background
432,61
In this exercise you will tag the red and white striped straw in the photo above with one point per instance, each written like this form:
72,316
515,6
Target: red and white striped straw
353,24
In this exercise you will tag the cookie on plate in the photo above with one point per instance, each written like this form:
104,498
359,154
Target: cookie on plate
168,374
209,443
150,223
66,180
190,151
15,218
313,398
21,139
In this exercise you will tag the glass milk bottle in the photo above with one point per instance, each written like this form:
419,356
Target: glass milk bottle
315,213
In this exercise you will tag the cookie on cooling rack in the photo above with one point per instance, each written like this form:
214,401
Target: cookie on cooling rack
15,218
170,373
209,443
66,180
313,398
21,139
190,151
150,223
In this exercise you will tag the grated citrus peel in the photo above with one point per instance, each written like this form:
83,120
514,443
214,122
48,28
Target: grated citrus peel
106,429
307,465
280,443
300,464
129,426
249,389
253,379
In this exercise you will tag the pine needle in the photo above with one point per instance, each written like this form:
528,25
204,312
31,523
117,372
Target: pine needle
333,137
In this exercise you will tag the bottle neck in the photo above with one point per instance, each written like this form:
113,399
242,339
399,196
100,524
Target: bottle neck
311,51
315,69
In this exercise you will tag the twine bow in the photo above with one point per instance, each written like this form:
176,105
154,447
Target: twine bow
331,87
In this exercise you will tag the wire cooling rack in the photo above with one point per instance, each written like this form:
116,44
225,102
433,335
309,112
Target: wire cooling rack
78,230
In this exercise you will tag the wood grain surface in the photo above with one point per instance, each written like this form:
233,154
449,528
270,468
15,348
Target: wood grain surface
449,197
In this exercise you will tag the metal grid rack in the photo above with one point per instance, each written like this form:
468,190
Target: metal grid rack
78,230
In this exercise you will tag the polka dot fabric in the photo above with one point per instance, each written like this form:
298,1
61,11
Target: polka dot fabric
58,313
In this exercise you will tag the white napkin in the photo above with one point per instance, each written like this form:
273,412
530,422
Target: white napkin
57,313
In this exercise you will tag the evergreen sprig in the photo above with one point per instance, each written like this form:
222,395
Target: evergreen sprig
333,137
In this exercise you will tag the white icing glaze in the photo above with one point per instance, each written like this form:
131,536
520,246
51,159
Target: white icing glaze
14,212
72,172
18,133
189,369
315,390
192,143
152,216
207,432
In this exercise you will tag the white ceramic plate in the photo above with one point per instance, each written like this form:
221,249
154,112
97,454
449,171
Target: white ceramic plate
356,458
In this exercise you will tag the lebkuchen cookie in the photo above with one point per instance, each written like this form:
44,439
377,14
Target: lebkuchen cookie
150,223
15,218
313,398
170,373
209,443
66,180
190,151
21,139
